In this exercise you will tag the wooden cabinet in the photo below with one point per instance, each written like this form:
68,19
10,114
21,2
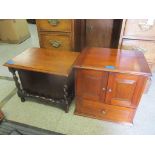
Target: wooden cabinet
59,34
101,32
111,94
139,35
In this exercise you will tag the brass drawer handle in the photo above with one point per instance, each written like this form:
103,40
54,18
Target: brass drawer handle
143,50
53,22
56,43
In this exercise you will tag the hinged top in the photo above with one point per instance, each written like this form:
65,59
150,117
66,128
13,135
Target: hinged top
44,60
114,60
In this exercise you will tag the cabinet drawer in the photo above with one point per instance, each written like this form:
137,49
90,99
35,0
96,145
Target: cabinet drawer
63,25
103,111
139,28
56,41
146,47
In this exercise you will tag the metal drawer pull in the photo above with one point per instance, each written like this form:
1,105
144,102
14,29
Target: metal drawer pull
53,22
103,112
143,50
56,44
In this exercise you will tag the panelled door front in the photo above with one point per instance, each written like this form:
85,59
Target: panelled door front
99,32
123,89
91,84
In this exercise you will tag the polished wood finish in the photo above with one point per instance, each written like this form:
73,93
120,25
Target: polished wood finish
91,83
110,94
45,61
49,39
64,25
65,31
103,111
124,89
139,35
44,74
124,61
100,32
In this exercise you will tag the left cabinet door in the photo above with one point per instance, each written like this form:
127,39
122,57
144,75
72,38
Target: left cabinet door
91,84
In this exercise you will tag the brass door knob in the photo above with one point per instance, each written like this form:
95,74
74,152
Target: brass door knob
109,90
104,89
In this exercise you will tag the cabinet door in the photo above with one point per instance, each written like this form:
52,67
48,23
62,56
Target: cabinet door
124,89
91,84
99,32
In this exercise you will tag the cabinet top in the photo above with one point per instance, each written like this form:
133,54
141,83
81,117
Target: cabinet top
44,60
113,60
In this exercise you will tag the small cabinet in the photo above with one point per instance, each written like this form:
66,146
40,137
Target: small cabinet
107,92
109,88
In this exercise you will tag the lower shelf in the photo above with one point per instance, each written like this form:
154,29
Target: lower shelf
102,111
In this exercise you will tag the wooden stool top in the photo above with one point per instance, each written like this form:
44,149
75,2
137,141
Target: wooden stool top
44,60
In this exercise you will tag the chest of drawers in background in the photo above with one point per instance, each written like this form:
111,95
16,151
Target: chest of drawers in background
60,34
139,35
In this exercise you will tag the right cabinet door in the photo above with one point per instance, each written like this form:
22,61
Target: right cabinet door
124,89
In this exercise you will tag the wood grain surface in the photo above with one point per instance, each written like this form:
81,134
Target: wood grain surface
45,61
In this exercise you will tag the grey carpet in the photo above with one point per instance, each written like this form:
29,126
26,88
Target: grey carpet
14,128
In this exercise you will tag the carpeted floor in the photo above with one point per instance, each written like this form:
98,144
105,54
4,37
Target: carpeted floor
15,128
55,119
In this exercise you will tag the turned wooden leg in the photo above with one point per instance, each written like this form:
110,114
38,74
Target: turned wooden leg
19,90
66,98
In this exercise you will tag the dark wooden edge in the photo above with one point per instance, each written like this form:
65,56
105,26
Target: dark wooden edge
122,32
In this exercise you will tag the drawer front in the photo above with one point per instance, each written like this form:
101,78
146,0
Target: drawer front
103,111
146,47
139,28
56,41
64,25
